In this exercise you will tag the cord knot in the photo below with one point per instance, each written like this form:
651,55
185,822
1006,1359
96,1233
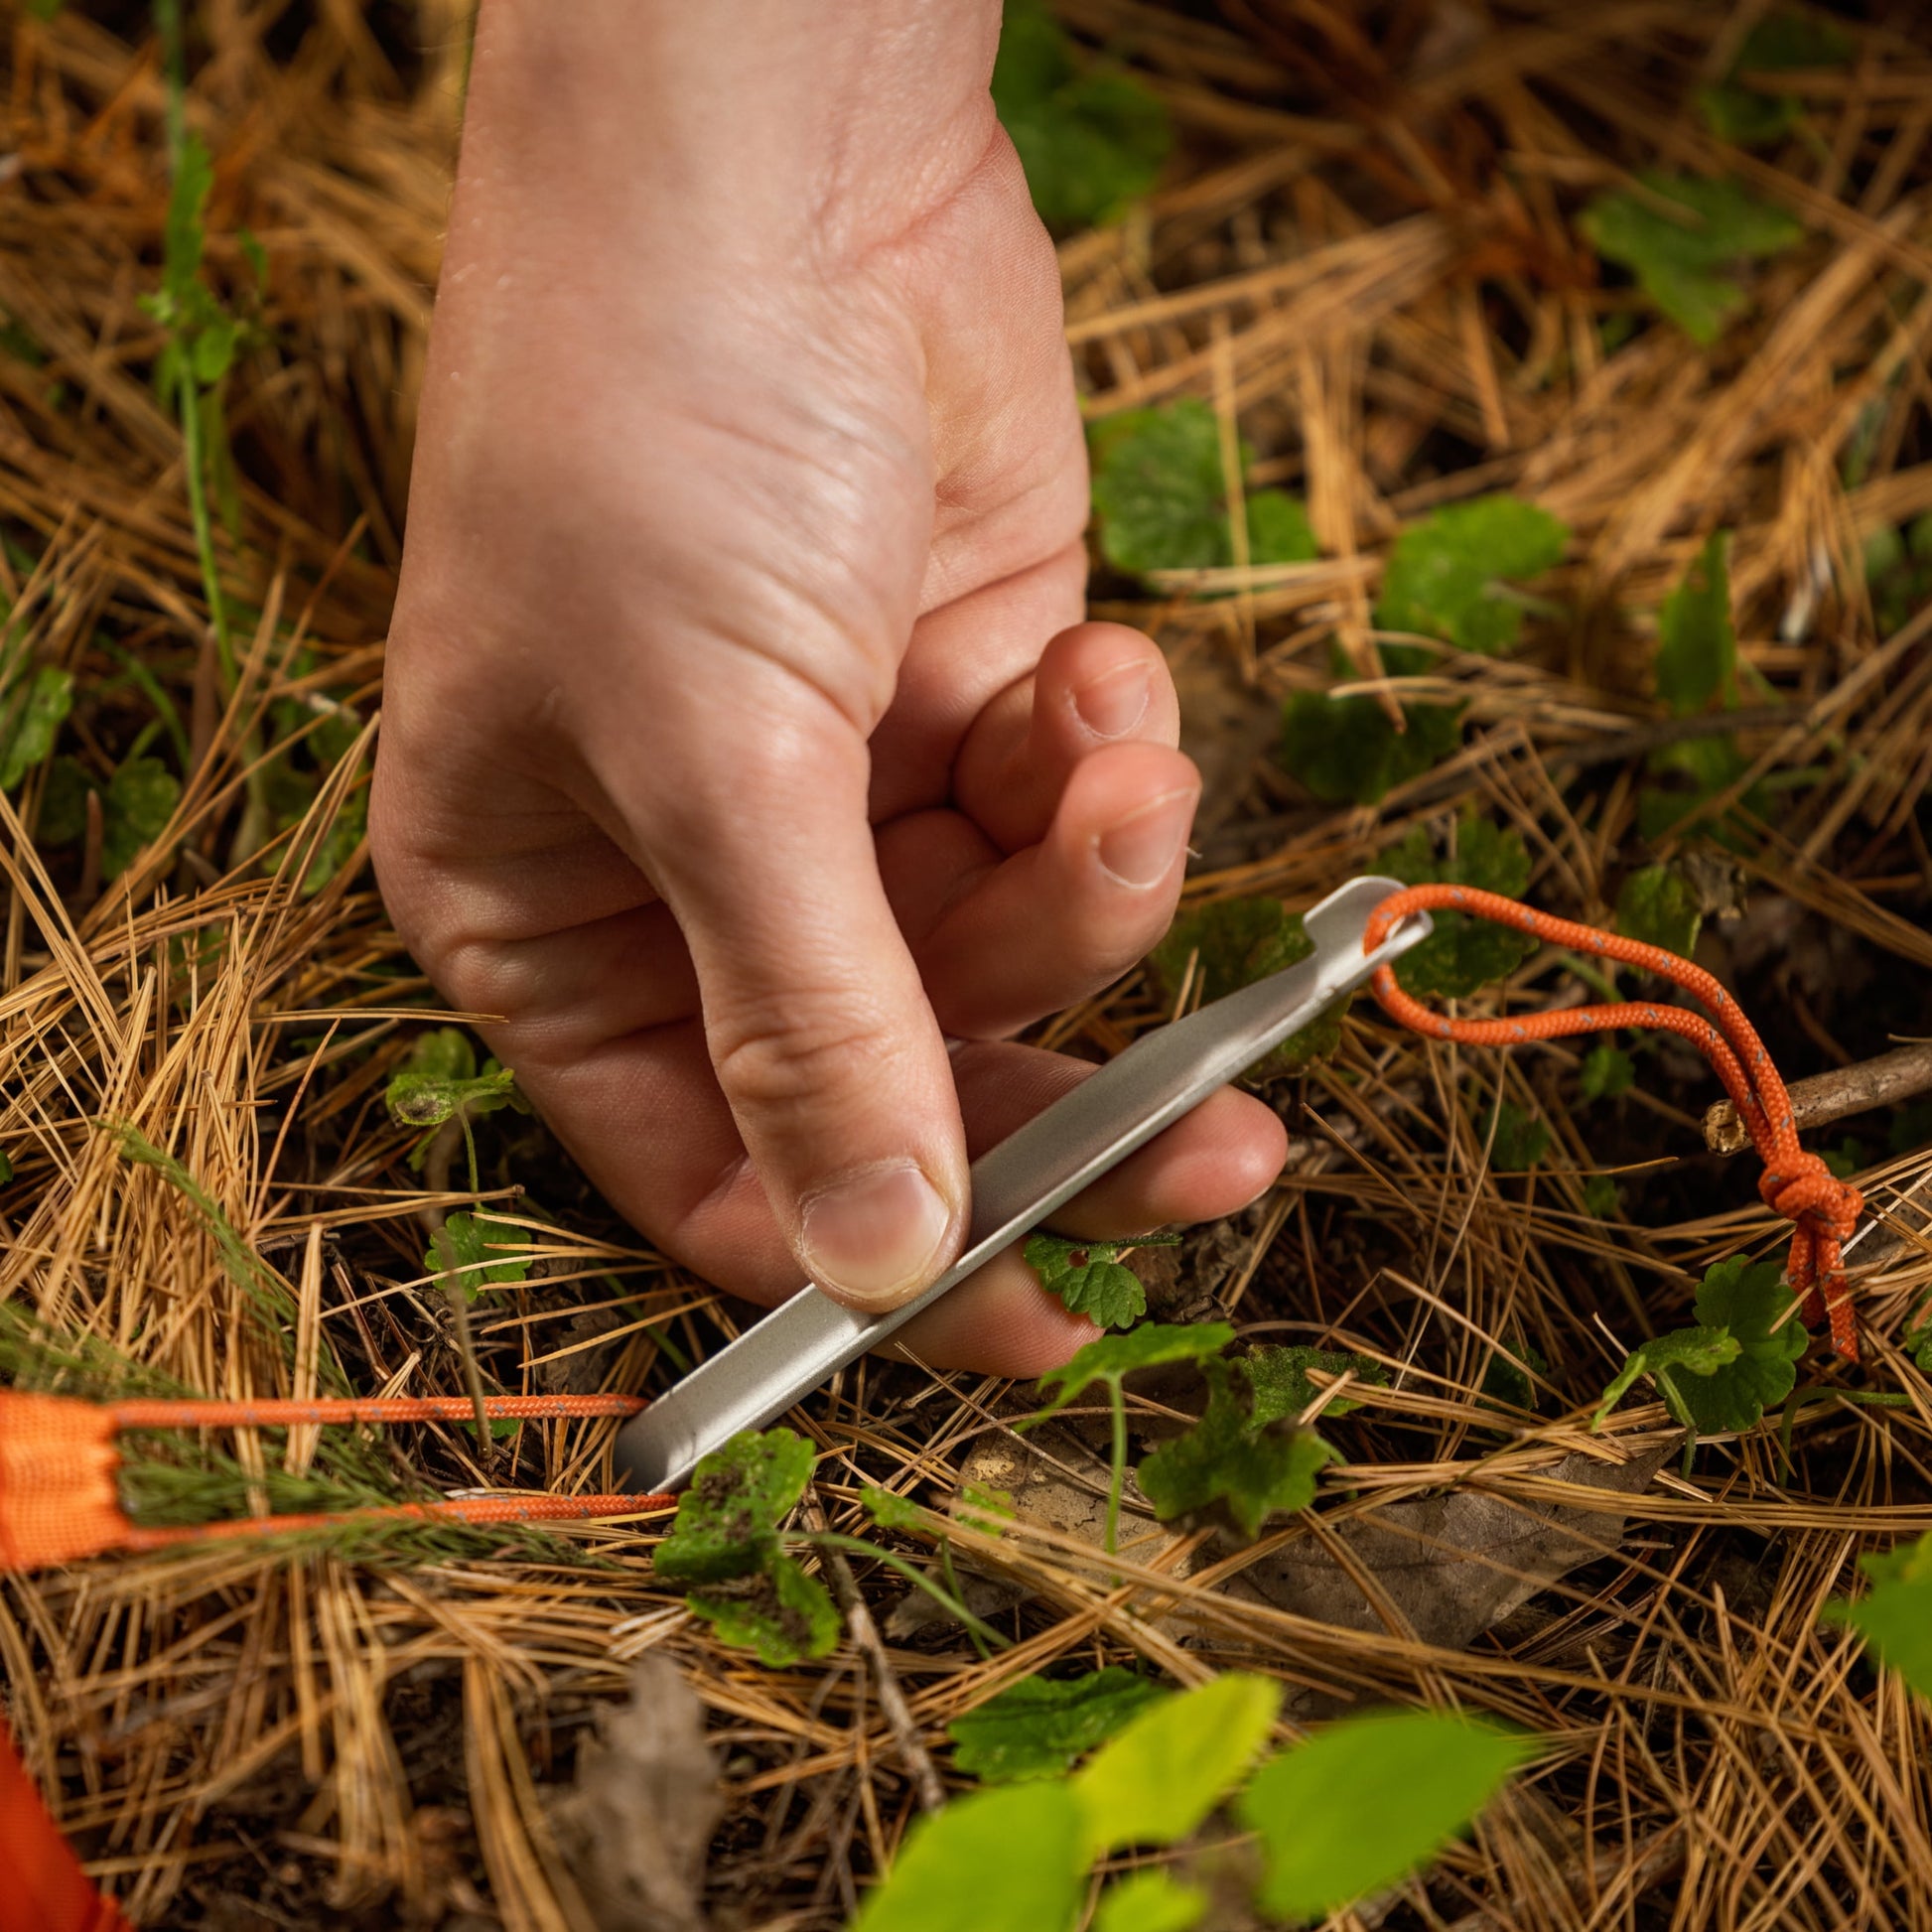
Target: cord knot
1824,1212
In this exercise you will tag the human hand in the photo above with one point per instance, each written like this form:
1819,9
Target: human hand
743,739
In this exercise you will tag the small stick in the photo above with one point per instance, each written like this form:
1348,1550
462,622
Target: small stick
1845,1090
891,1699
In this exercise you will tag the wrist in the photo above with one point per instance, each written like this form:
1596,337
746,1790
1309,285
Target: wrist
751,121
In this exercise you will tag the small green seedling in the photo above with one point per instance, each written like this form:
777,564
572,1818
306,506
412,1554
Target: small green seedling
1463,954
1092,140
1681,237
33,707
1608,1073
1660,907
1283,1390
1089,1276
1519,1142
1110,1361
1353,1809
1739,1359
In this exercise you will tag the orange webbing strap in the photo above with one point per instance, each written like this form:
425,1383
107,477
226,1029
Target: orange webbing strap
1795,1183
41,1885
60,1498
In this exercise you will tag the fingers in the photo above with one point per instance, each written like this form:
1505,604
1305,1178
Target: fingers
819,1030
1096,685
1002,942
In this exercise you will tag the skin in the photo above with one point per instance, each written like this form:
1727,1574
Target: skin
744,742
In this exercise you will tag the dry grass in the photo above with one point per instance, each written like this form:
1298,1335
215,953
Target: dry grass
1366,254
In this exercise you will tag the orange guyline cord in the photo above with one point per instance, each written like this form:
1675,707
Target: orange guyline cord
1797,1184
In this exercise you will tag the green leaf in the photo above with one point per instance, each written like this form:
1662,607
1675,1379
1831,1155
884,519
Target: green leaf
1739,1360
1660,907
1008,1859
1157,1782
440,1080
1113,1358
33,722
1447,576
1608,1072
464,1246
1462,953
1895,1615
988,1511
1229,1467
1696,642
184,234
1520,1140
726,1520
1348,751
1282,1389
1091,142
6,1169
1232,943
889,1511
139,801
1089,1278
1507,1385
1780,43
1366,1802
1149,1901
1691,1351
1685,776
1279,531
1600,1197
1037,1726
1680,263
780,1612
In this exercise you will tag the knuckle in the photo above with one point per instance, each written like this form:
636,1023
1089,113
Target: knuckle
822,1043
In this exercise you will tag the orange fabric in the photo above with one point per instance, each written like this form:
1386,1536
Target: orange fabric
41,1885
1823,1209
58,1498
275,1410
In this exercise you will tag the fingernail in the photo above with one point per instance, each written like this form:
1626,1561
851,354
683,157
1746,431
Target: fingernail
872,1239
1140,851
1111,706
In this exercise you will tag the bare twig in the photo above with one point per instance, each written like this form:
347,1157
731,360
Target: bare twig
1837,1096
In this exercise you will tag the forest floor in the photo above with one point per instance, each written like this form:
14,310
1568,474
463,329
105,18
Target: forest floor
1372,258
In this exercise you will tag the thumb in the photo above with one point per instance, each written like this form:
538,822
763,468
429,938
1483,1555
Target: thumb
817,1022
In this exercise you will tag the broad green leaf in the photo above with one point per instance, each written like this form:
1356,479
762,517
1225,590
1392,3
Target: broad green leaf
1008,1859
1279,1379
1091,142
1660,907
726,1520
1229,1467
1462,953
1113,1358
32,721
1895,1615
1367,1801
1149,1901
1233,942
1782,42
1600,1197
1449,576
1089,1278
779,1611
1680,263
465,1245
1696,642
1037,1726
1740,1359
1157,1780
1688,1351
1279,531
1504,1383
1348,751
1606,1073
139,801
891,1511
